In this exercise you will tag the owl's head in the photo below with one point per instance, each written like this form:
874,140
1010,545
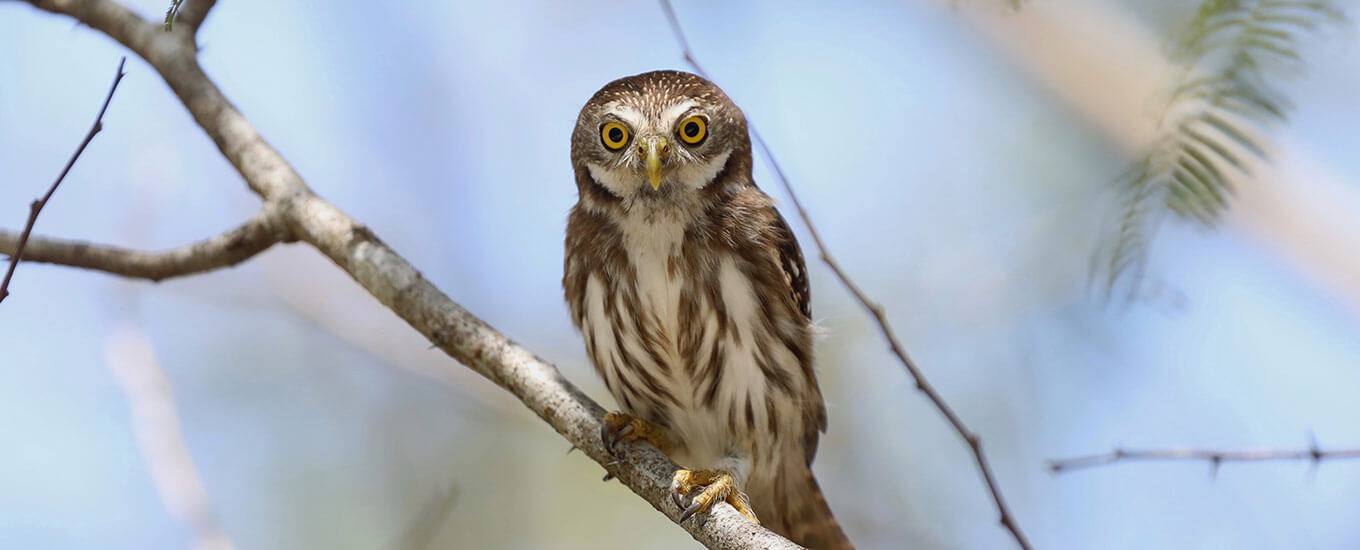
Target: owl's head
658,134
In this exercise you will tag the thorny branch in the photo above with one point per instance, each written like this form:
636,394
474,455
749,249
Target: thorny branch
972,439
292,211
36,206
1070,61
1214,457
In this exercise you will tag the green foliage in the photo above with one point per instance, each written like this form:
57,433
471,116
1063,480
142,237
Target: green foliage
1229,51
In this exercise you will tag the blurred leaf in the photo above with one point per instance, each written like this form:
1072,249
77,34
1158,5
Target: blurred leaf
1230,51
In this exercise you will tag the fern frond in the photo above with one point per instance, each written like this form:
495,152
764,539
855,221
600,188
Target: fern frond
1128,251
1229,51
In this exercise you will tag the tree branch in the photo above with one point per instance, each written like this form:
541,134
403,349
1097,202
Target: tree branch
1213,456
1067,49
875,309
225,250
173,57
36,206
397,284
192,13
539,385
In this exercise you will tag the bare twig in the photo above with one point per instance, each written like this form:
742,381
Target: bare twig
397,284
225,250
155,420
1066,49
1214,457
972,439
36,206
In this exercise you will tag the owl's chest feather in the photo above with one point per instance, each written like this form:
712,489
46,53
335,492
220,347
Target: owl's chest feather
690,347
655,254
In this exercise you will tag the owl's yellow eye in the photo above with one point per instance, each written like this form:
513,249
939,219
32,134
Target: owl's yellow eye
614,135
693,130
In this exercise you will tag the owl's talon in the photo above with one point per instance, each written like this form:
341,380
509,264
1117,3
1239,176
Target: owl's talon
684,500
619,427
711,486
621,435
690,510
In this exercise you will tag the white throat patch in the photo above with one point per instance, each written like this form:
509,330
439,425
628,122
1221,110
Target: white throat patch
626,181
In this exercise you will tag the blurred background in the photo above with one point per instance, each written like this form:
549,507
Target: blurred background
959,158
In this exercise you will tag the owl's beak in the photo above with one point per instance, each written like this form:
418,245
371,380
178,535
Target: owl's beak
654,149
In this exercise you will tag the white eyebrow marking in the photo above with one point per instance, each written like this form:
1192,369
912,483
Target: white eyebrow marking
673,112
628,113
640,123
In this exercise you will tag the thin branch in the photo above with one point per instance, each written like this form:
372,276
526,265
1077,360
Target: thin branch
36,206
225,250
264,170
398,285
1214,457
972,439
1056,46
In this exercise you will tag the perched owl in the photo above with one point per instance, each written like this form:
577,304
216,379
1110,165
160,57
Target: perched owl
692,296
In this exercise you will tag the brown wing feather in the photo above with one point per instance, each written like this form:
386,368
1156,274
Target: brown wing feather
795,274
795,269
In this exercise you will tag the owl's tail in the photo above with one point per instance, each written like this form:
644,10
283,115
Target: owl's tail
802,514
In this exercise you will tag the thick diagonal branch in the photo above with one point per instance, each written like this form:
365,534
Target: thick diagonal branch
397,284
875,309
225,250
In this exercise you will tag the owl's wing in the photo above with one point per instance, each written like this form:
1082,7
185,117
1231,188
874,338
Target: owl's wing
795,274
791,261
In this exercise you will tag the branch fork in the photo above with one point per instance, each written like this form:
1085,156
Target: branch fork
291,211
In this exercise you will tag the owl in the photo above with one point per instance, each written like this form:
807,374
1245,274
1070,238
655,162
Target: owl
692,296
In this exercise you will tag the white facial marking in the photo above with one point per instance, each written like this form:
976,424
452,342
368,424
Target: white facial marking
671,115
625,177
696,176
620,181
637,121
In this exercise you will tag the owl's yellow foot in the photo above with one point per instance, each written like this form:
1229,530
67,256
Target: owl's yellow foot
711,486
621,427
